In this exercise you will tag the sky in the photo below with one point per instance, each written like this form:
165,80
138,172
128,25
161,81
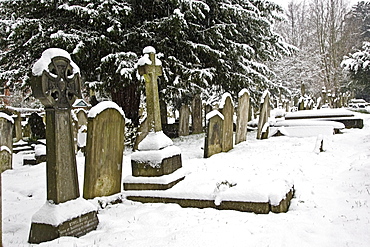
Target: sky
284,3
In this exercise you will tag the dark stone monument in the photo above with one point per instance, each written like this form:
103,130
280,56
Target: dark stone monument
184,120
56,83
37,126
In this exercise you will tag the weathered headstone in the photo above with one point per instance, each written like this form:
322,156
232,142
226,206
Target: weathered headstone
156,155
37,126
184,120
213,138
6,141
242,116
18,127
227,109
196,114
56,83
262,131
104,150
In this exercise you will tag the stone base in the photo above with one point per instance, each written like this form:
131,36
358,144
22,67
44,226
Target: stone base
255,207
75,227
145,169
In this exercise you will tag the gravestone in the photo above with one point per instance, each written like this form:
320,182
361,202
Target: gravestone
242,117
196,114
184,120
6,141
55,82
262,131
156,155
213,138
104,150
227,110
37,126
18,127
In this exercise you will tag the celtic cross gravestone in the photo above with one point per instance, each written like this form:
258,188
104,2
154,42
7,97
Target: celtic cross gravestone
56,83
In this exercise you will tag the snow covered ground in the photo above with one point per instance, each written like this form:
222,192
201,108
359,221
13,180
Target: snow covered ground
330,208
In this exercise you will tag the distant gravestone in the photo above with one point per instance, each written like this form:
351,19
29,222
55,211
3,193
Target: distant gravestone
262,131
104,150
6,141
184,120
213,138
55,82
227,109
37,126
18,127
196,115
242,117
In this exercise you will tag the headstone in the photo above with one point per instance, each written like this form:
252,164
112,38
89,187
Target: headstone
262,131
104,150
37,126
196,115
163,107
18,127
213,138
242,117
56,83
156,155
184,120
6,141
227,109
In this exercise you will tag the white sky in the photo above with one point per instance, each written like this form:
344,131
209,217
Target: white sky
284,3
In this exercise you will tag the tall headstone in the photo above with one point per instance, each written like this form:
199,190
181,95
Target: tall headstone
196,114
227,109
156,155
262,131
18,127
6,141
104,150
213,138
242,116
56,83
184,120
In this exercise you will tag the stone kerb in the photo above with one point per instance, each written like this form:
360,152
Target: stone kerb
6,141
262,131
227,110
213,139
242,116
104,150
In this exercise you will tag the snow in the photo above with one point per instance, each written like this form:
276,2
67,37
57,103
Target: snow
214,113
223,100
330,207
155,141
324,112
242,92
7,117
99,108
46,57
5,148
56,214
149,49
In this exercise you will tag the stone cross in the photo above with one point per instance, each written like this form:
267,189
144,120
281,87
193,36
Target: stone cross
150,69
56,83
57,89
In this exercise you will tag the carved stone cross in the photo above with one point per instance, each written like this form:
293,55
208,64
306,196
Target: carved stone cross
150,70
57,88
